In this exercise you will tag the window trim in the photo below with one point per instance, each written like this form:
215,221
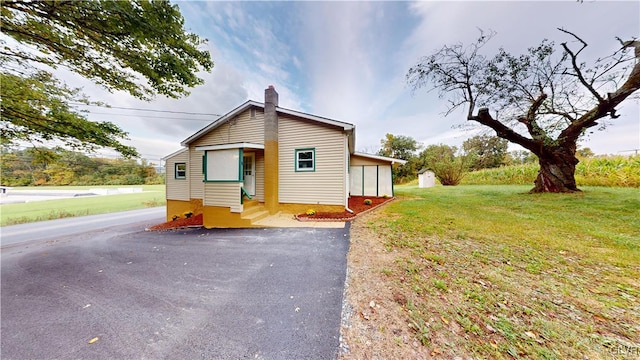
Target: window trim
296,160
175,171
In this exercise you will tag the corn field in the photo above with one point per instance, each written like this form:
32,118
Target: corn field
612,171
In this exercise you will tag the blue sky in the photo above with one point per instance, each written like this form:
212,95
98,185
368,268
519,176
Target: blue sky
348,61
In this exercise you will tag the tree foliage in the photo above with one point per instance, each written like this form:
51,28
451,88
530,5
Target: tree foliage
448,166
57,166
486,151
543,100
140,47
401,147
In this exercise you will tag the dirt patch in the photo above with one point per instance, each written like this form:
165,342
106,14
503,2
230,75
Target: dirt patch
376,327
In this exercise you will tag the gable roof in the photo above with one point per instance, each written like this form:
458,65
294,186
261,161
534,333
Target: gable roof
378,157
250,103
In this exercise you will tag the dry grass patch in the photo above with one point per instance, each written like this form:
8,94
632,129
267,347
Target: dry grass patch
492,272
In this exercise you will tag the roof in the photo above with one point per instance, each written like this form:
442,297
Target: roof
250,103
174,154
383,158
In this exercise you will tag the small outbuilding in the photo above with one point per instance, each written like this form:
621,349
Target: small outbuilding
426,178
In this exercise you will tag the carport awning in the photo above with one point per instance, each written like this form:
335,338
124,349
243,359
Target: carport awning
231,146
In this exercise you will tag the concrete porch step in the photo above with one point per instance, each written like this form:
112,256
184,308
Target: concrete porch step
255,216
254,211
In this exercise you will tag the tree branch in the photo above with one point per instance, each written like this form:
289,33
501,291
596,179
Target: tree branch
505,132
576,67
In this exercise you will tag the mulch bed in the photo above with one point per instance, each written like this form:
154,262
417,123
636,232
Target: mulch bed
356,203
179,223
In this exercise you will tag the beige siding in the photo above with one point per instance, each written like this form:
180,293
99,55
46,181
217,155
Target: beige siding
223,194
195,170
260,176
177,189
243,129
325,185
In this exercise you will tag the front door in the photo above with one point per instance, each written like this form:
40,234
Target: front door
249,169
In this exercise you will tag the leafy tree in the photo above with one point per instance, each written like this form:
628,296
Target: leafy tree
487,151
585,152
542,100
401,147
447,165
520,157
58,166
140,47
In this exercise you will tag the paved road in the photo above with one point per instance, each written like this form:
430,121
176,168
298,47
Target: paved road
56,229
196,294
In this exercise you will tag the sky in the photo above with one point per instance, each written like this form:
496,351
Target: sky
348,61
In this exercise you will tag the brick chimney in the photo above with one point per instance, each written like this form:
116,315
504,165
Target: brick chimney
271,172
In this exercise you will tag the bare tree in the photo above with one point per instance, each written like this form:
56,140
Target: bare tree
543,100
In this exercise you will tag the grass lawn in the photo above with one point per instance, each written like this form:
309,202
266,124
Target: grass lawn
495,272
152,195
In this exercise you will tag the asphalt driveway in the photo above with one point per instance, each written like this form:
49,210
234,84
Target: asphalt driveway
198,294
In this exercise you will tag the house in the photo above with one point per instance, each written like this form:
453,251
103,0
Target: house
261,159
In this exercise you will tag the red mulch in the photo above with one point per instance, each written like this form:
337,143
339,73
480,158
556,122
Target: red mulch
356,203
178,223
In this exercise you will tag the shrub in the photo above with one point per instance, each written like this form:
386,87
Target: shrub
175,217
311,212
188,214
368,201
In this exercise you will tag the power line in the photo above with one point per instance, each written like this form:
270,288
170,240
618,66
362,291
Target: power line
138,109
152,117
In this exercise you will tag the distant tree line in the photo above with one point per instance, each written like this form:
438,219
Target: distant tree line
450,163
57,166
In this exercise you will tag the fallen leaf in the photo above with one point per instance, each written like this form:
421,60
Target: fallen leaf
93,340
493,344
530,334
444,320
372,304
435,352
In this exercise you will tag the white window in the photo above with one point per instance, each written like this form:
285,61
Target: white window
223,165
181,171
305,159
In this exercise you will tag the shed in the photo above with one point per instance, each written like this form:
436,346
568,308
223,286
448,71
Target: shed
426,178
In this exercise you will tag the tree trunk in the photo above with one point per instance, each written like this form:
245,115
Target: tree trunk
557,171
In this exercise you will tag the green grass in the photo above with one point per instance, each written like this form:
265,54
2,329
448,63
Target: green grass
518,275
10,214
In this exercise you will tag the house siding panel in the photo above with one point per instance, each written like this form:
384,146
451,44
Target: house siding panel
325,185
243,129
195,171
177,189
260,176
223,194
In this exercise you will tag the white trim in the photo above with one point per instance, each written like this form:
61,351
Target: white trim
174,154
378,157
230,146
